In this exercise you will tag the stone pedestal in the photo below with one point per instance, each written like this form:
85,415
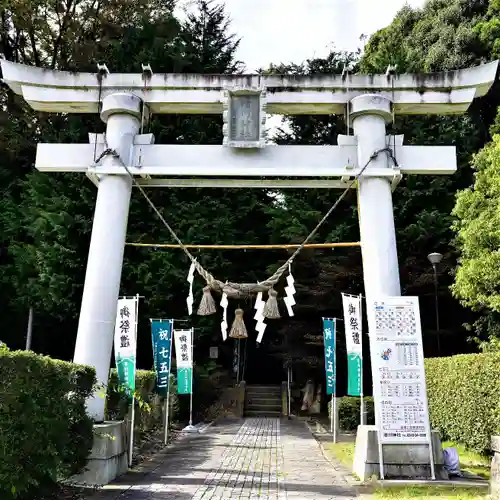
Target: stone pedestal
400,461
108,458
495,469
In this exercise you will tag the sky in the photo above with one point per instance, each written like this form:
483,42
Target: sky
294,30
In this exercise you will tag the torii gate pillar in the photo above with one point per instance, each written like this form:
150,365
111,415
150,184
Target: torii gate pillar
94,343
369,114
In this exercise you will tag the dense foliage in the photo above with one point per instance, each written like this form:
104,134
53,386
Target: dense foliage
442,35
349,409
446,35
45,433
149,407
45,220
463,398
477,281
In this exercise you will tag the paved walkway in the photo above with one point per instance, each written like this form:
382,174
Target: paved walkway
262,458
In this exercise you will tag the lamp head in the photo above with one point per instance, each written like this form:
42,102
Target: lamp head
435,258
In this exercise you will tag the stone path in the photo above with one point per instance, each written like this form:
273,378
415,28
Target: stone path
262,458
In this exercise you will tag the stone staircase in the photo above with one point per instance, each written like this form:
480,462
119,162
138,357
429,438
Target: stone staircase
263,401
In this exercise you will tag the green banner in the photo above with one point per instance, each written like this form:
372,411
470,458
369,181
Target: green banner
354,367
125,368
184,380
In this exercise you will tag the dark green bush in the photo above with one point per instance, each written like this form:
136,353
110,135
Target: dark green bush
45,434
210,380
149,408
464,398
349,412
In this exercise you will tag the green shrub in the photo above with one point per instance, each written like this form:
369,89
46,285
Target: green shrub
45,434
149,410
349,412
209,383
464,398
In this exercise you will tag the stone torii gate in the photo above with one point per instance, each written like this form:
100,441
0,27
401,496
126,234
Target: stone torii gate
125,100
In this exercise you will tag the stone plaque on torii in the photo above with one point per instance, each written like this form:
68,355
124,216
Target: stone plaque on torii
125,100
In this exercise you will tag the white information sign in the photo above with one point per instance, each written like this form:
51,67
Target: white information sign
398,371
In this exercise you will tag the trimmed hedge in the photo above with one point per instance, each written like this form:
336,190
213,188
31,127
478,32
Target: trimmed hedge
149,411
45,433
350,410
464,398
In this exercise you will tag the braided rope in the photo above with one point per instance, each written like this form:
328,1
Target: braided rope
241,289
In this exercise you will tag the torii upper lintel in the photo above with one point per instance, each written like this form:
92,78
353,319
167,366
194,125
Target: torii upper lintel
447,92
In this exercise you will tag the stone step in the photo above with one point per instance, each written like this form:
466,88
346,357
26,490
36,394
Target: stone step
263,392
274,388
263,404
259,413
259,409
262,400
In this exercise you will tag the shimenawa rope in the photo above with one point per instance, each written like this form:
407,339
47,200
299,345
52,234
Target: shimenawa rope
241,289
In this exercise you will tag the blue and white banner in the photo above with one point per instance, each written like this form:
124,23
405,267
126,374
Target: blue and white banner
329,342
161,335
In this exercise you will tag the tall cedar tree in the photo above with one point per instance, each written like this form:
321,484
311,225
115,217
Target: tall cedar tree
46,218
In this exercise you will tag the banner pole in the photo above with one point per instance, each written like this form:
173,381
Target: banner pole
132,417
192,370
361,386
331,415
334,396
167,399
132,423
166,411
362,409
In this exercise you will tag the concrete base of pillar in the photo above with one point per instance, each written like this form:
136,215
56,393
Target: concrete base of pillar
108,458
400,461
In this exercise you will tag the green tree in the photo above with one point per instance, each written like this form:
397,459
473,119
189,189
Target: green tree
47,218
478,239
43,230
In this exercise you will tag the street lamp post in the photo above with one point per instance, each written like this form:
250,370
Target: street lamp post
435,258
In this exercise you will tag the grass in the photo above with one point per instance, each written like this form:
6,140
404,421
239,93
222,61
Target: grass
429,492
470,461
343,452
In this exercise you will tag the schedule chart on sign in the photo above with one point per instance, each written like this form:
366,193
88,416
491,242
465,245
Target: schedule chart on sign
395,320
399,375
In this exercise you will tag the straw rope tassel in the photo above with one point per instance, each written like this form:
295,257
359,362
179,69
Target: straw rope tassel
207,303
271,310
238,330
